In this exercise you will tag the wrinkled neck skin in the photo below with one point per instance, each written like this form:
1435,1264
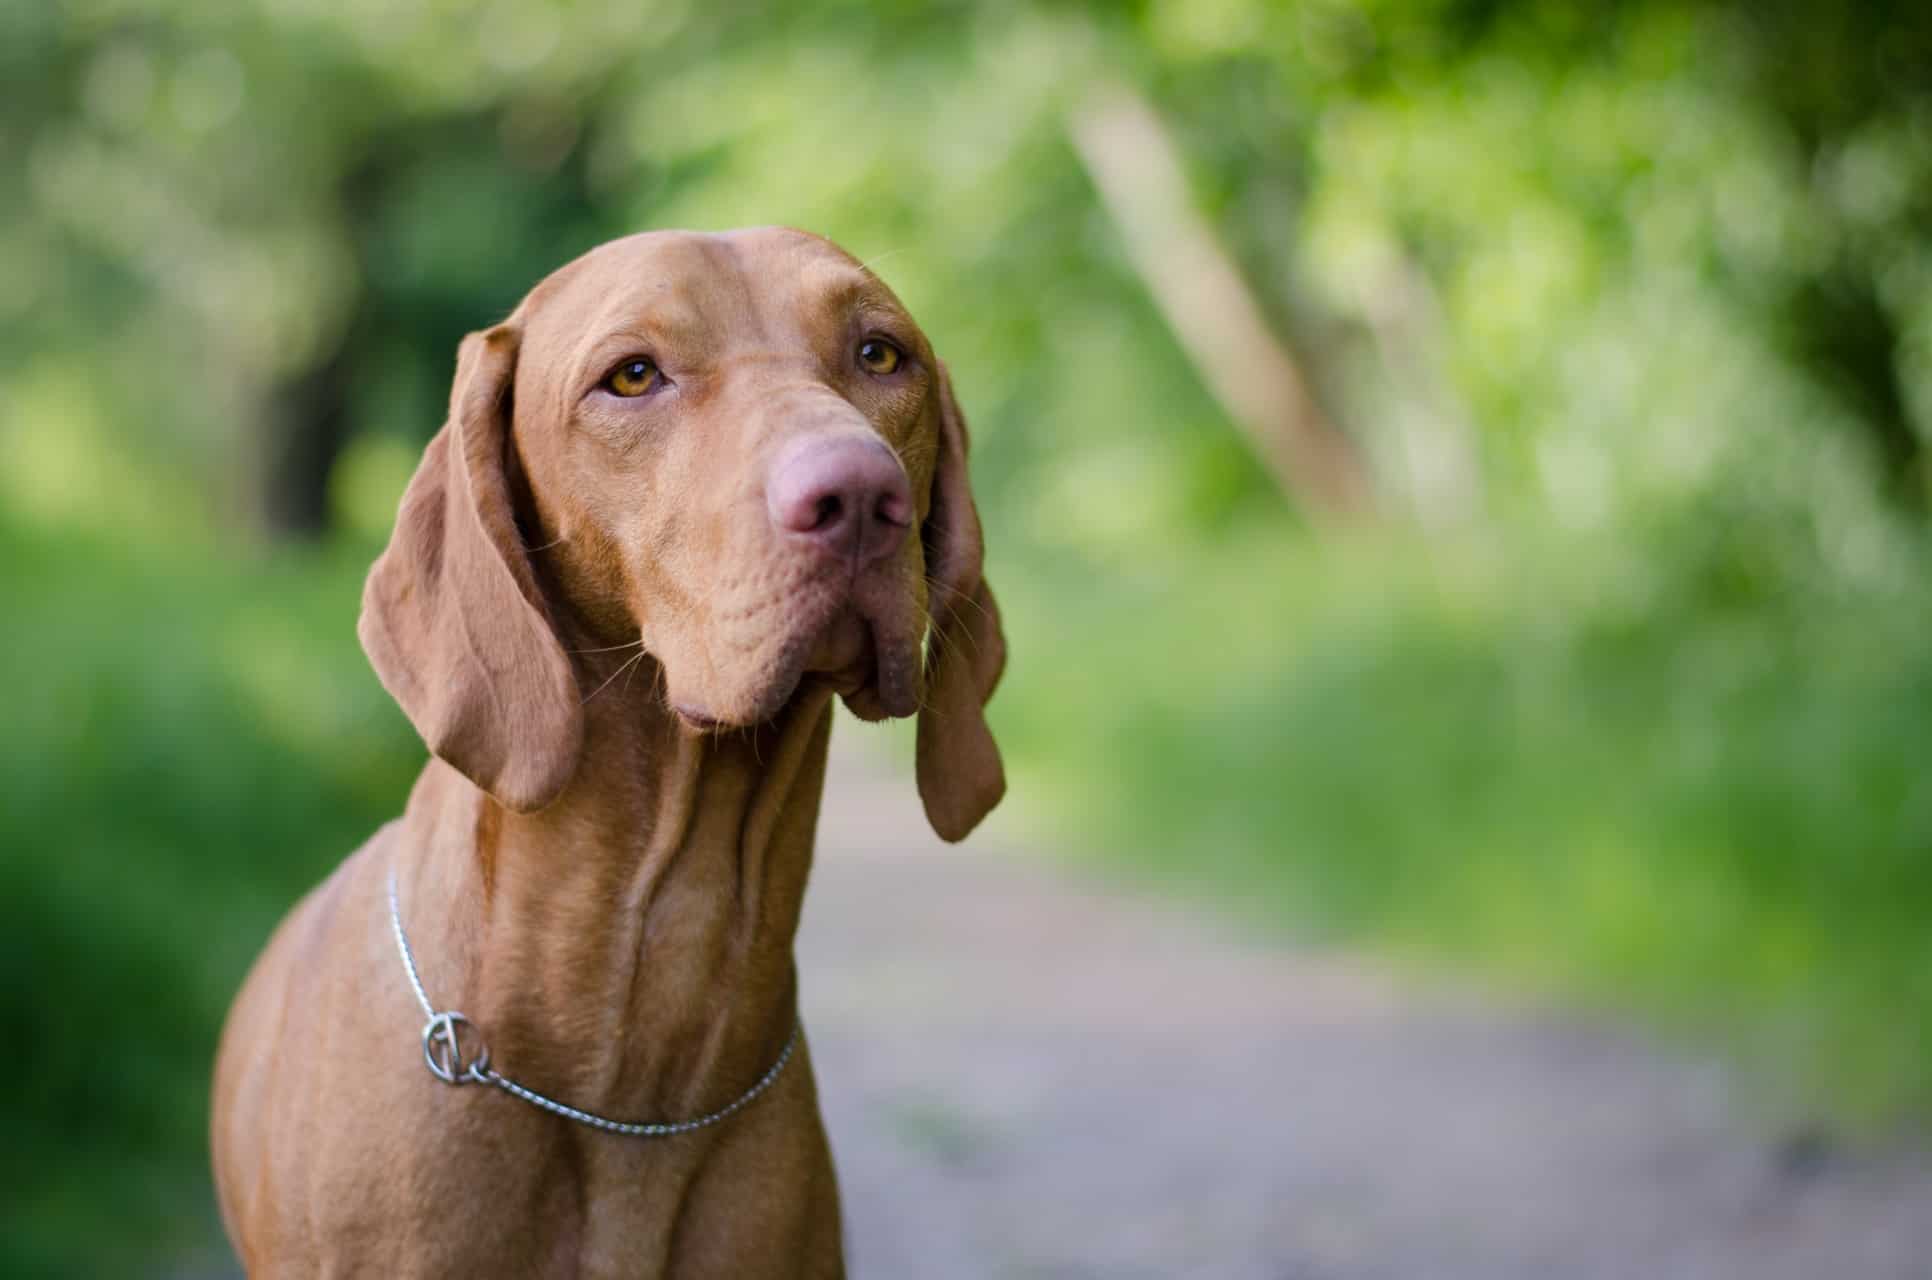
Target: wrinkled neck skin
628,949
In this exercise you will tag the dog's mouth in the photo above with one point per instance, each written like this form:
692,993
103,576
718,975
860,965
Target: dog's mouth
862,655
843,651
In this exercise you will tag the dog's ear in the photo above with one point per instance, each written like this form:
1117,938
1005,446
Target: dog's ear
452,617
960,775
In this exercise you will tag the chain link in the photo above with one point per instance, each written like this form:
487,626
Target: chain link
479,1069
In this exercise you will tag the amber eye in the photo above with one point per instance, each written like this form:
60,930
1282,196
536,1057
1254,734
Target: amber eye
632,378
879,356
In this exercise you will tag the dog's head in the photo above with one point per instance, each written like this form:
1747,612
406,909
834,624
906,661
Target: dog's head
737,450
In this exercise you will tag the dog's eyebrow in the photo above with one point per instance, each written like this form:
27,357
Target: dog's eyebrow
882,312
875,309
857,289
615,345
668,327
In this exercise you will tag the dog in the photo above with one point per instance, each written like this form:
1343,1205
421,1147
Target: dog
694,488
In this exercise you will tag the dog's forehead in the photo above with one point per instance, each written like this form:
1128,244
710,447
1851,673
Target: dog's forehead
732,283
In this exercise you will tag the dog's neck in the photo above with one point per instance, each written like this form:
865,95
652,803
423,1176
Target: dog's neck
628,949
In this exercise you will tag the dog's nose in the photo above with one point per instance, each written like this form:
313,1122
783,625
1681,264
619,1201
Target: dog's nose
843,494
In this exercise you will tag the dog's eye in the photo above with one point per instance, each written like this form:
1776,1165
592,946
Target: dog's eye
632,378
879,356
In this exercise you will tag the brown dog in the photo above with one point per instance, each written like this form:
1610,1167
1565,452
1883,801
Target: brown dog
671,514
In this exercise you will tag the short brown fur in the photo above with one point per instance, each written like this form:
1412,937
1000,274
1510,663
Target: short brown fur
626,680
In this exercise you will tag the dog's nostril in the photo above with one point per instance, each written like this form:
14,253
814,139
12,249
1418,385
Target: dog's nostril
894,508
827,512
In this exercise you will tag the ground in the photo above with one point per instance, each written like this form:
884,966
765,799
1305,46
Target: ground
1027,1074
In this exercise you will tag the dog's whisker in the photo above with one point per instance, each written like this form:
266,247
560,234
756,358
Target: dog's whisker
873,261
973,601
613,648
954,598
628,663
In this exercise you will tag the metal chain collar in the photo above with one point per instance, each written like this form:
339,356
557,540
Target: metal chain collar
443,1053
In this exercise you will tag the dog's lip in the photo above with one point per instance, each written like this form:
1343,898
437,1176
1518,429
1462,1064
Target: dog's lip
843,647
851,655
696,718
877,680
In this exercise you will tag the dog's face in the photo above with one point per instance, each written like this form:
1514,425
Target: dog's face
729,443
736,450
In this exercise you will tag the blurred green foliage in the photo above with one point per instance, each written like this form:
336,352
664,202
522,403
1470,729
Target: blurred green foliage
193,743
1629,307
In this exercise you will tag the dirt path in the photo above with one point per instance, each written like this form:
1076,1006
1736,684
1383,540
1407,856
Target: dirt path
1027,1076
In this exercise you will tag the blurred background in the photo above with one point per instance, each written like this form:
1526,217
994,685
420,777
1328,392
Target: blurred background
1455,472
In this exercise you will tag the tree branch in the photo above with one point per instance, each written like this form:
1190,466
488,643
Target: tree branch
1207,304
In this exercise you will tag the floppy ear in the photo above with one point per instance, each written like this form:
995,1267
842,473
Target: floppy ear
452,618
960,775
